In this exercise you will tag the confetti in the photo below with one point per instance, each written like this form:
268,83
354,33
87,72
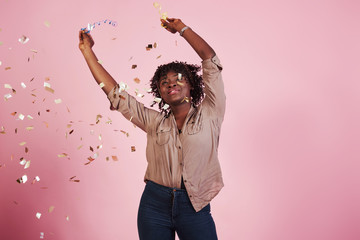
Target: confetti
23,39
133,149
57,101
47,23
23,85
21,116
67,218
29,128
29,117
26,150
102,85
49,90
114,158
137,80
27,165
36,179
51,208
139,94
41,235
62,155
166,106
148,47
90,27
2,130
38,215
73,180
23,179
6,85
100,62
7,68
158,100
158,57
22,143
133,66
7,96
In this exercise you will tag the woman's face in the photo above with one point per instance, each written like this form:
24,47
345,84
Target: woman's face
174,89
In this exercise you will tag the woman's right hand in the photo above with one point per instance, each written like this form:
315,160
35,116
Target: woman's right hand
86,42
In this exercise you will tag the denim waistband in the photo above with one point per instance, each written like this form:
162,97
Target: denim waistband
164,188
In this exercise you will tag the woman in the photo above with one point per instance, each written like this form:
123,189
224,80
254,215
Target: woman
183,173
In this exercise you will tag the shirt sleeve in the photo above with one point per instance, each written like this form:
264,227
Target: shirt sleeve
215,98
130,108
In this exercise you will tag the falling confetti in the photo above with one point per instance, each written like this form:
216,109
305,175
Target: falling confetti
133,66
57,101
90,27
133,149
23,39
102,85
47,23
51,209
115,158
23,179
137,80
166,106
73,180
38,215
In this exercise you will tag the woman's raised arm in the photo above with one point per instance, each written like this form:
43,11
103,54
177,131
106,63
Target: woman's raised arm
201,47
101,76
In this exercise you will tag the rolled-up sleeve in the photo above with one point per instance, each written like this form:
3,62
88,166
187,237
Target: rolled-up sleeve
215,98
130,108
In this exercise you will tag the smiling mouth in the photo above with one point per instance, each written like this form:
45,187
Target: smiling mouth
172,92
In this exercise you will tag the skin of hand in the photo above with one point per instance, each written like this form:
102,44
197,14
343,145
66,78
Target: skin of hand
173,25
86,41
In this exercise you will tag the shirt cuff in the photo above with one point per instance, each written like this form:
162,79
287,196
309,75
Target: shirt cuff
212,62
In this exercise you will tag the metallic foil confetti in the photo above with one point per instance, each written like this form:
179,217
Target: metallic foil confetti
90,27
62,155
158,57
6,85
29,128
186,99
38,215
22,143
23,39
47,23
57,101
41,235
30,117
23,85
51,209
27,165
7,68
102,85
148,47
137,80
7,96
133,149
133,66
67,218
100,62
23,179
21,116
114,158
166,106
138,94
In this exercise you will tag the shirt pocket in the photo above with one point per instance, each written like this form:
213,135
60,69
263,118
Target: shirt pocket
163,135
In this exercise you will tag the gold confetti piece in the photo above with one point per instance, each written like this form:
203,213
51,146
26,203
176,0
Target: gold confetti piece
79,147
98,118
133,66
2,130
158,57
34,51
47,23
71,131
23,39
47,79
15,130
21,116
186,99
166,106
100,137
164,15
109,122
100,62
155,45
69,125
138,94
148,47
102,85
67,218
13,113
30,128
127,134
158,100
23,85
7,96
23,179
26,150
22,143
133,149
46,124
51,209
62,155
131,118
137,80
107,158
6,85
38,215
29,117
27,165
91,149
114,158
49,90
57,101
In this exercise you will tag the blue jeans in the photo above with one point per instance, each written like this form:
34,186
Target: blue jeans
164,211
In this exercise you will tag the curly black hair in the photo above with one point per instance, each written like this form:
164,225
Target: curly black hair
190,71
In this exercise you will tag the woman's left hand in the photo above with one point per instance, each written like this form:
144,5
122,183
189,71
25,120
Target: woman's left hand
173,25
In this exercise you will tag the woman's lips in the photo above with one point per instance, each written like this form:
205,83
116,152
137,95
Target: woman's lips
173,91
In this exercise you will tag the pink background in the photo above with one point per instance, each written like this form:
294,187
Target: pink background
289,147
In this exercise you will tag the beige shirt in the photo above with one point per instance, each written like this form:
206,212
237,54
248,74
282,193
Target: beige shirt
192,154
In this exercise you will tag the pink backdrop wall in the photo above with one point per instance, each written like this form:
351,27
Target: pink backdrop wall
290,140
